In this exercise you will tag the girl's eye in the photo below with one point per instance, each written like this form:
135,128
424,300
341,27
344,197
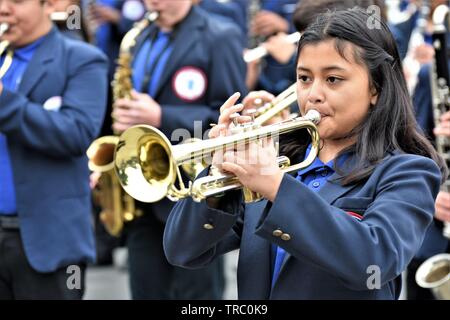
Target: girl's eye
303,78
333,80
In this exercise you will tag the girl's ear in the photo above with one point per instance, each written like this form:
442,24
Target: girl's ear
374,98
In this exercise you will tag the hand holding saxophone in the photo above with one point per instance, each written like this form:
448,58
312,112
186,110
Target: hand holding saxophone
139,109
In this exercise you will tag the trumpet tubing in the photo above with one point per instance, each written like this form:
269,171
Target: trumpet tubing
280,103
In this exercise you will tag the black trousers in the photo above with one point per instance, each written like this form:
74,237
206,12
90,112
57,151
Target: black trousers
19,281
151,275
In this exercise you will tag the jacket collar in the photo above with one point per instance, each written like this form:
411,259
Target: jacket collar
37,68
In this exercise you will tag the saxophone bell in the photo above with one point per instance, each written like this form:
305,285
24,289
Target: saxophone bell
434,274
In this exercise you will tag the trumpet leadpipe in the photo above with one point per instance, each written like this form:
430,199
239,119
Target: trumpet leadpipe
218,184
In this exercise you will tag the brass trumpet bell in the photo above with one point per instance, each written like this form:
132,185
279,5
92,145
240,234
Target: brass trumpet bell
146,166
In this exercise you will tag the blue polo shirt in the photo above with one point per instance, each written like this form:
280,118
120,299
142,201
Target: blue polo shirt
11,81
150,61
314,177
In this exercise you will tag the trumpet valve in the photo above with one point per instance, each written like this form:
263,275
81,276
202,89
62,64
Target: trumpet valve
251,113
235,118
258,102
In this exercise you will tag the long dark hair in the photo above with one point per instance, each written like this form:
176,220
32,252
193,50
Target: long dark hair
390,124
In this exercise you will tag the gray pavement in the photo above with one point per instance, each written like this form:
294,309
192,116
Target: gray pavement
111,282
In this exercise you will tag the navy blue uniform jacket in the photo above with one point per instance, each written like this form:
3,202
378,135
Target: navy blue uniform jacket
48,149
331,255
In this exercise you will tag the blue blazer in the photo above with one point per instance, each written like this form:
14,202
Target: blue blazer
215,49
48,146
329,251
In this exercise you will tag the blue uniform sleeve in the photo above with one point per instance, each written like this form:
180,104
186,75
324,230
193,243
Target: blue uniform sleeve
196,246
388,236
324,235
69,131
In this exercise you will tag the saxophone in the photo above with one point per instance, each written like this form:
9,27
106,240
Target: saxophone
117,206
254,7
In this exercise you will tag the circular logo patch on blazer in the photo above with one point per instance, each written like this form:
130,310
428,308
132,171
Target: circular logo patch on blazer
189,83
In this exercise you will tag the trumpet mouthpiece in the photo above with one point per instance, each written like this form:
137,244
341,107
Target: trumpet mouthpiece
314,116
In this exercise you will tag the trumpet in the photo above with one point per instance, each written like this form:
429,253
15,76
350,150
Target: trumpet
147,165
260,51
434,274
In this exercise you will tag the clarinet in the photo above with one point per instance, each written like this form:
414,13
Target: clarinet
254,6
440,88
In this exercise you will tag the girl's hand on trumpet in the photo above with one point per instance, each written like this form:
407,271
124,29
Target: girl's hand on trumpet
254,164
257,99
256,167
